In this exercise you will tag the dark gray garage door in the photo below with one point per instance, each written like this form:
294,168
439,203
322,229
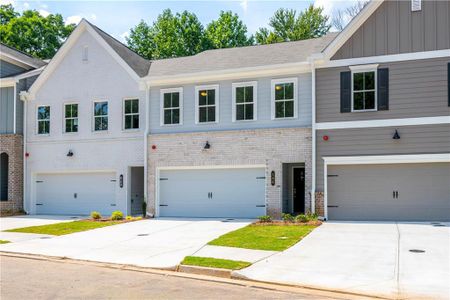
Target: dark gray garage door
399,192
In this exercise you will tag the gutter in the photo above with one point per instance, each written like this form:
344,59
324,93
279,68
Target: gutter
313,142
24,98
146,132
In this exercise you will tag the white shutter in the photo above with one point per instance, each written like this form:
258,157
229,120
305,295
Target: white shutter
416,5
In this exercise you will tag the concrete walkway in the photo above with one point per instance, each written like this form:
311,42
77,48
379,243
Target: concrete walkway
232,253
369,258
13,222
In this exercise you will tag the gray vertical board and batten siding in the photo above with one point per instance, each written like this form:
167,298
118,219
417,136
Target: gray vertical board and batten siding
6,110
22,85
395,29
225,107
416,89
8,69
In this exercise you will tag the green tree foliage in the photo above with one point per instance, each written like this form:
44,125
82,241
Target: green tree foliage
287,26
227,31
32,33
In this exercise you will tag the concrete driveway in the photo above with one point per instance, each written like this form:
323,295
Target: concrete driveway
367,258
158,243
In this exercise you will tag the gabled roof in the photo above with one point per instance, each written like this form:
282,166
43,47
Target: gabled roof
20,57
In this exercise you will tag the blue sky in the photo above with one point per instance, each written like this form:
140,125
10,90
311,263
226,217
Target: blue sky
117,17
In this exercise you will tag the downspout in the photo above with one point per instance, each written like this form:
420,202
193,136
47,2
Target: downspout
313,153
146,132
24,98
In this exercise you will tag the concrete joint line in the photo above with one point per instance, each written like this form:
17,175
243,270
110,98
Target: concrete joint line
397,274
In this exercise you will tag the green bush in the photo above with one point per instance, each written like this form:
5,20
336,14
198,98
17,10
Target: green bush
287,218
96,215
117,215
265,219
312,217
301,218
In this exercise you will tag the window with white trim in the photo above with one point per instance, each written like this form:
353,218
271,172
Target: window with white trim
244,101
171,102
131,114
43,119
364,92
207,99
71,117
100,115
284,98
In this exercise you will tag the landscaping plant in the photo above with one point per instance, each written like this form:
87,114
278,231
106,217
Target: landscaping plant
301,218
287,218
265,219
96,215
117,215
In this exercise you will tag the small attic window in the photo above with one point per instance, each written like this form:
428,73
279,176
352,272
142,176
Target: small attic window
416,5
85,55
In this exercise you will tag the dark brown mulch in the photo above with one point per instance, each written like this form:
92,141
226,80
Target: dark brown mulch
282,223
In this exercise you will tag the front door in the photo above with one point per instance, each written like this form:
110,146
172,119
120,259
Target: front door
298,190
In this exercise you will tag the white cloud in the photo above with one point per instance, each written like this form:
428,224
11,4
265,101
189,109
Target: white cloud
327,6
26,5
123,36
244,5
73,20
43,13
6,2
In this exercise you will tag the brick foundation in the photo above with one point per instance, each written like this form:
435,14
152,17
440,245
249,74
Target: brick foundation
12,144
320,204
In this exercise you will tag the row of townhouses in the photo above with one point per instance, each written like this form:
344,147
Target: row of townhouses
352,125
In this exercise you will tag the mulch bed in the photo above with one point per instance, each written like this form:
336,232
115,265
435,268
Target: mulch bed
282,223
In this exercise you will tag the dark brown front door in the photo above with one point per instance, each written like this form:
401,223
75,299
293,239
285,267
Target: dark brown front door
298,190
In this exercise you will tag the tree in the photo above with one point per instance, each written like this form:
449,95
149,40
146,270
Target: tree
32,33
342,17
227,31
286,26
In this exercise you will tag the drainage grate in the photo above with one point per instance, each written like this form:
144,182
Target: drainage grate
416,251
142,234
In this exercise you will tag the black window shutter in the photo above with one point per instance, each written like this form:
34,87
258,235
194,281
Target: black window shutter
346,89
383,89
448,83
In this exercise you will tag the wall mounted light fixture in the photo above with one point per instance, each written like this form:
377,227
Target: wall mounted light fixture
70,153
396,135
207,146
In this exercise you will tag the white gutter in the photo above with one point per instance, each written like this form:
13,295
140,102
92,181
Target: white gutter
146,131
23,97
313,141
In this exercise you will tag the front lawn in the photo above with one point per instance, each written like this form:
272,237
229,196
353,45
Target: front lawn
264,237
66,227
4,242
214,262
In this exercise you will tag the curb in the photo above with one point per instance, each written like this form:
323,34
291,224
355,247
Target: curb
216,272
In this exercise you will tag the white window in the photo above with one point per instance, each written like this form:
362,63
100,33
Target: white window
206,104
43,119
171,104
364,88
100,115
131,114
284,98
71,117
244,101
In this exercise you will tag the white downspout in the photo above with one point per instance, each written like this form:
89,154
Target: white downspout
24,98
313,154
147,122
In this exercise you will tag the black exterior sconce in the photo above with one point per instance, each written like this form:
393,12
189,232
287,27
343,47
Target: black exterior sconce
272,178
70,153
207,146
121,181
396,135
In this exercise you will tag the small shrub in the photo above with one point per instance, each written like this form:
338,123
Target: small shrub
312,217
265,219
96,215
301,218
117,215
288,218
129,218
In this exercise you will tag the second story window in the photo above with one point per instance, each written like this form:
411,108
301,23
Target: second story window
71,117
43,120
206,100
284,98
100,115
171,106
364,91
131,113
244,101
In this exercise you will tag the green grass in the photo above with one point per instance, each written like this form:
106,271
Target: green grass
267,237
214,262
64,228
4,242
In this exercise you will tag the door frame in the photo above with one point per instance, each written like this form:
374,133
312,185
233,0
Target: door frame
210,167
375,160
304,188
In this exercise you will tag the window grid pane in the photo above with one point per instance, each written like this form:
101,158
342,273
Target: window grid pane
244,103
131,113
43,117
364,90
206,105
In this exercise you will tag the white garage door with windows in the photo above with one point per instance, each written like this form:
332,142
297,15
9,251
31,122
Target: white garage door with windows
75,193
232,193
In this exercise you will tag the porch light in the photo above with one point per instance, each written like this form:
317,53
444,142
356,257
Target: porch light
207,146
70,153
396,135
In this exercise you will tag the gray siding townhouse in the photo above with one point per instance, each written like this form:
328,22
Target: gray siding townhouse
382,115
17,72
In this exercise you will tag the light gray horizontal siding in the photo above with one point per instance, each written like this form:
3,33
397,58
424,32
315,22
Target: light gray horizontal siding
395,29
416,89
6,110
225,110
7,69
378,141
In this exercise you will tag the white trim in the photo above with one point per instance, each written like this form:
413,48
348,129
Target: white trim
384,123
146,132
8,82
15,109
29,73
313,153
99,100
198,88
364,69
16,61
274,82
131,114
235,85
49,120
161,105
377,159
64,117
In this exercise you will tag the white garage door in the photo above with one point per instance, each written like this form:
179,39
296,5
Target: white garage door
75,194
234,193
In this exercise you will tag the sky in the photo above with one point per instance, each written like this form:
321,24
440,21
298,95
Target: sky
118,17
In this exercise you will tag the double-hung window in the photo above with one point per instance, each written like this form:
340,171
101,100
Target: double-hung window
172,106
131,113
207,104
284,98
71,117
364,94
43,119
244,101
100,115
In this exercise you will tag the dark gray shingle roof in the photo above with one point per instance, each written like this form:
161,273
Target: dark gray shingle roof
22,56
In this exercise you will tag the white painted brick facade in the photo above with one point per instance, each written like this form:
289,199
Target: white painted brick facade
269,147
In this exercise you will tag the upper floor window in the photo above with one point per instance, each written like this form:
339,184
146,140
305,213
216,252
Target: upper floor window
284,98
131,113
244,101
43,119
364,96
100,115
207,104
71,117
171,106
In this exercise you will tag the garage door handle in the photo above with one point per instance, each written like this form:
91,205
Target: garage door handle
260,206
333,206
163,205
39,204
